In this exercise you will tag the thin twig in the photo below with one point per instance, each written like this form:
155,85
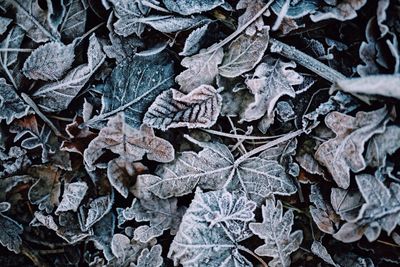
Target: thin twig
236,136
238,31
33,105
155,7
36,259
242,248
305,60
16,50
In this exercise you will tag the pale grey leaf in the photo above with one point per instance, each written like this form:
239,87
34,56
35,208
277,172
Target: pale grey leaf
4,22
172,109
322,212
297,9
150,258
72,196
46,191
188,7
126,251
103,232
170,24
202,70
98,208
8,183
49,61
10,230
13,40
351,259
13,161
252,8
271,80
381,145
276,231
133,86
200,243
244,53
343,10
344,152
11,105
346,203
69,229
320,250
122,48
58,95
192,43
74,22
310,164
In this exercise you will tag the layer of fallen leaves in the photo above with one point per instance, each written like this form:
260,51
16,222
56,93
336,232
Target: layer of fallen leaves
199,133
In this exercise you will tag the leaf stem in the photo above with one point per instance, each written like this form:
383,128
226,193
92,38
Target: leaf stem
269,145
305,60
242,248
238,31
33,105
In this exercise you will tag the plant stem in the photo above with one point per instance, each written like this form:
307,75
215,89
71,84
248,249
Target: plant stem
238,31
16,50
238,136
269,145
264,264
305,60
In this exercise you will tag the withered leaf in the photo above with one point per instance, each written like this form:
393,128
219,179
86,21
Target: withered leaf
56,96
244,53
341,10
188,7
320,250
46,191
4,22
193,42
72,196
10,230
346,203
98,208
271,80
345,152
199,242
49,61
297,9
11,105
172,109
252,8
276,230
74,22
202,70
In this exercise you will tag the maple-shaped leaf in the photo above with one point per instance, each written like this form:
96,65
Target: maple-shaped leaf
202,70
46,191
49,61
74,21
271,80
72,196
98,208
56,96
276,230
137,81
13,161
10,230
341,10
34,20
322,212
215,168
172,109
11,105
381,210
163,214
244,53
344,152
204,237
131,253
381,145
188,7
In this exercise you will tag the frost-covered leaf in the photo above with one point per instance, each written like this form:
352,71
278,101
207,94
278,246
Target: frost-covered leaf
172,109
381,145
11,105
122,48
322,212
72,196
13,161
346,203
170,24
4,22
12,41
74,22
10,230
46,191
271,80
130,143
341,10
58,95
297,9
381,210
188,7
137,81
199,242
150,258
351,259
192,43
34,20
318,249
252,8
212,167
49,61
276,230
103,232
383,85
163,214
202,70
344,152
244,53
98,208
10,182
